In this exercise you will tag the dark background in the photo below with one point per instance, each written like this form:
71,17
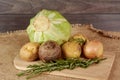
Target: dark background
103,14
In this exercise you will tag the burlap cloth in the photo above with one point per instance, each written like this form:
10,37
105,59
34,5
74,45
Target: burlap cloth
10,44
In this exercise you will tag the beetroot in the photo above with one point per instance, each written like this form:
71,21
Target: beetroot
49,51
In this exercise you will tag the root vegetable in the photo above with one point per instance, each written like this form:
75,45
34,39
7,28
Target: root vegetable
49,51
93,49
79,38
71,49
29,52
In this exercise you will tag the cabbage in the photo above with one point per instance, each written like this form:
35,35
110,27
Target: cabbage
49,25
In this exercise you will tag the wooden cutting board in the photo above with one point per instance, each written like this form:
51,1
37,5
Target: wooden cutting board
99,71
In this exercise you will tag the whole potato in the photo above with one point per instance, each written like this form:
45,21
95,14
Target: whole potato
79,38
49,51
29,52
71,49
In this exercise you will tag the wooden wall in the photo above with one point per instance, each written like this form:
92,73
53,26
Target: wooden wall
103,14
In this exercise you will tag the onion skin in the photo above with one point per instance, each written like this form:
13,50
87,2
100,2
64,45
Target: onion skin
93,49
49,51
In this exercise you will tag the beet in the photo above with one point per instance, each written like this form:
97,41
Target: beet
49,51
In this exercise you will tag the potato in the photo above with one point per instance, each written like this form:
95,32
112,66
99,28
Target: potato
29,52
49,51
71,49
79,38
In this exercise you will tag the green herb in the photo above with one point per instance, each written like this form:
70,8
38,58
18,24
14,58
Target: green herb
79,40
58,65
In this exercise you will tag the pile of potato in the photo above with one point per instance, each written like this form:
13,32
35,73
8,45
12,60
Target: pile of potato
77,46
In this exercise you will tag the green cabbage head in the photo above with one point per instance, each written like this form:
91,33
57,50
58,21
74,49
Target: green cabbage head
49,25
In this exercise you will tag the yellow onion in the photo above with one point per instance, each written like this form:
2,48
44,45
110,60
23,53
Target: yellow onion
93,49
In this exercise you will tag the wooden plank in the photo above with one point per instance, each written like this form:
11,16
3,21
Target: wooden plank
96,72
64,6
13,22
102,21
108,22
15,7
78,6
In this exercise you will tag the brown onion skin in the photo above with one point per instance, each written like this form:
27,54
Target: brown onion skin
93,49
49,51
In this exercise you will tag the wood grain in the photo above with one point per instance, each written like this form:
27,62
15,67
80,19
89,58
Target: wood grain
103,14
13,22
15,7
64,6
78,6
108,22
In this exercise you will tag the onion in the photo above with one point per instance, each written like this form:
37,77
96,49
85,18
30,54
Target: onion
93,49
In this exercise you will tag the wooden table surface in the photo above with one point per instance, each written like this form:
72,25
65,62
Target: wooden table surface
103,14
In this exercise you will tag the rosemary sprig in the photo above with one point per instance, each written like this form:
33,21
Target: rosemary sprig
79,40
58,65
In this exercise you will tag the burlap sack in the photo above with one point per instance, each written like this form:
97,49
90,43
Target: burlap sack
10,44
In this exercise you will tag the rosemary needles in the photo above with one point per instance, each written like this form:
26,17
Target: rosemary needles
58,65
